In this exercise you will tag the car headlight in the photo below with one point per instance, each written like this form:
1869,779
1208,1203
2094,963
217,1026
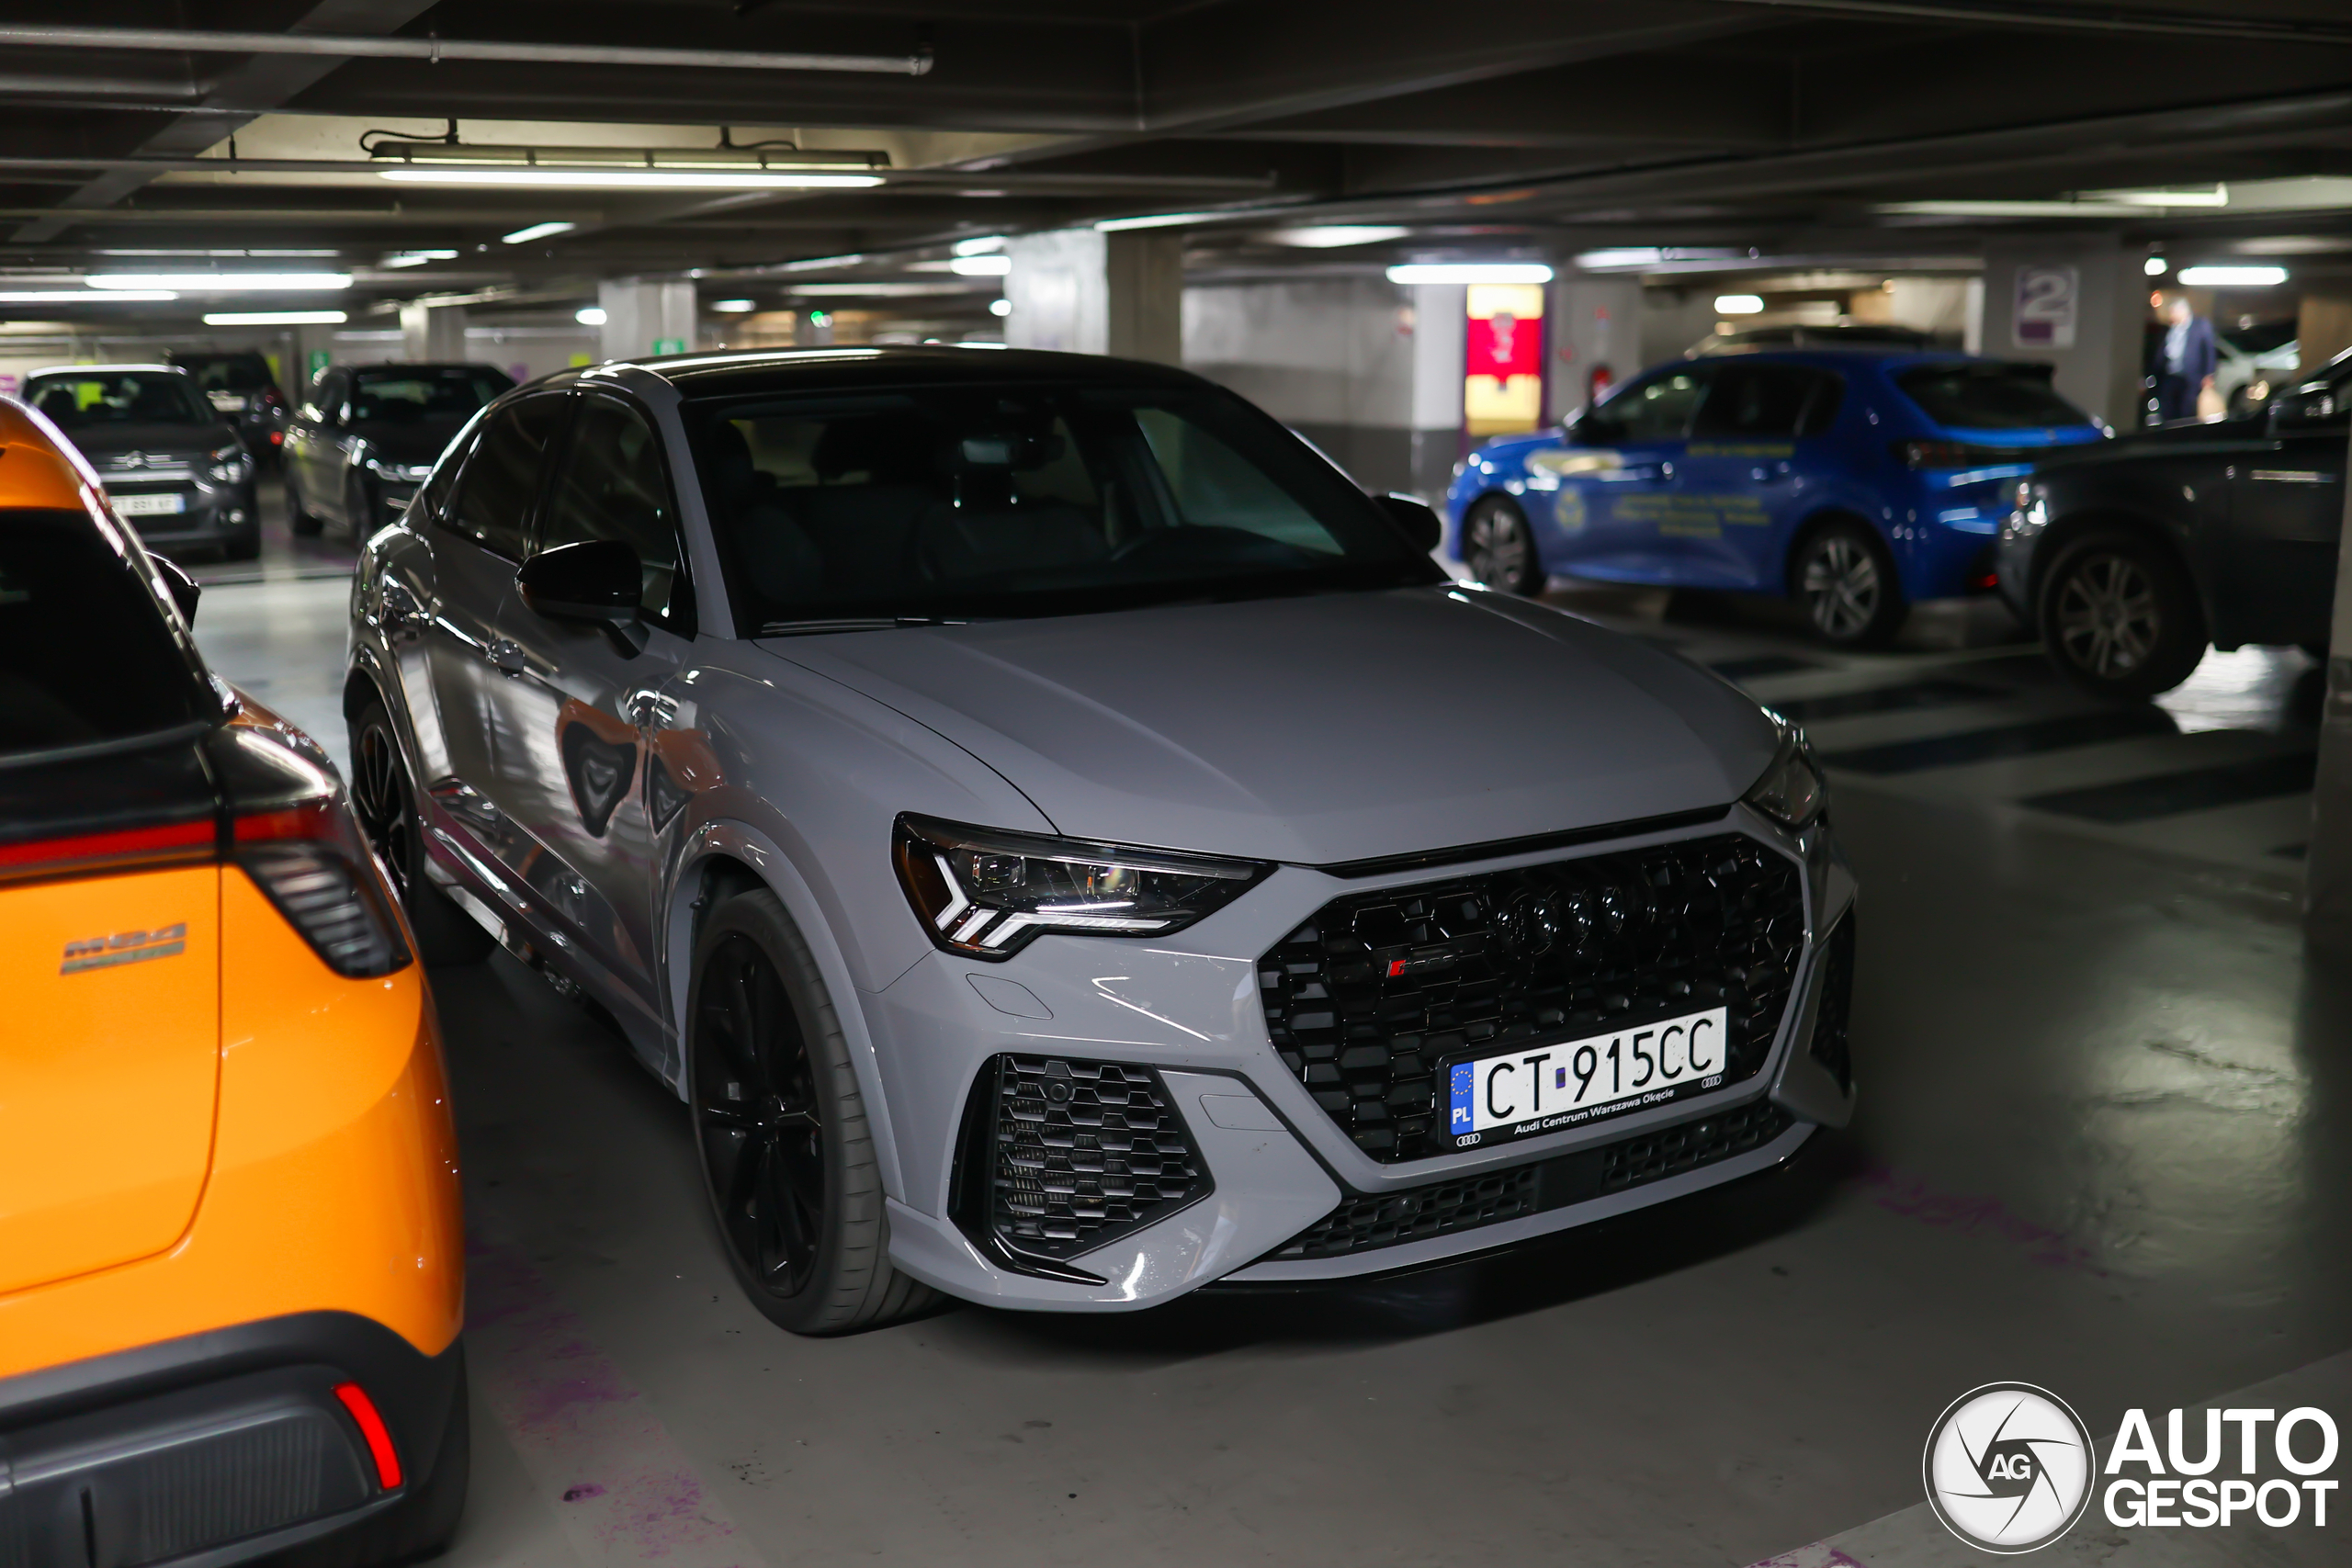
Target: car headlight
226,463
1790,792
987,894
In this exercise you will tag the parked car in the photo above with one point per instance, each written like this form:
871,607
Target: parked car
172,464
242,386
231,1251
367,435
2132,559
1050,828
1857,481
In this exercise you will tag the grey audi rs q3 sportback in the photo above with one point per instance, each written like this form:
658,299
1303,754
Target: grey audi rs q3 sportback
1067,845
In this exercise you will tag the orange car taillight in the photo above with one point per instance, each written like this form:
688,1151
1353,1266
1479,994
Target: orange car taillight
371,1427
291,833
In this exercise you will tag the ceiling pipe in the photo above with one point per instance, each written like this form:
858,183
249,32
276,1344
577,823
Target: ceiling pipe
919,179
191,41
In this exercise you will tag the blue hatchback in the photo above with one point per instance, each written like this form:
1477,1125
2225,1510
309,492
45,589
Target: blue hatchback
1856,481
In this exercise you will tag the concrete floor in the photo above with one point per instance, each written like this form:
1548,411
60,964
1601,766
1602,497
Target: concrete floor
2104,1148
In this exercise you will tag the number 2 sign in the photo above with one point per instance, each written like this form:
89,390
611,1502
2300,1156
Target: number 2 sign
2043,316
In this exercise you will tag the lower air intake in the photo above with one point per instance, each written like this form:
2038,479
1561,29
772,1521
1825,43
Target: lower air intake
1063,1156
1829,1020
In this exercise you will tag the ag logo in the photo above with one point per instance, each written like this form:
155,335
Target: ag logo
2009,1468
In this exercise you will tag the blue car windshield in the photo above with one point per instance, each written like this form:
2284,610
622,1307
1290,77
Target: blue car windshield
966,502
1982,395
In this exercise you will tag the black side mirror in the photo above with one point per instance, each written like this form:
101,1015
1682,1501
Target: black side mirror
1413,514
184,591
597,583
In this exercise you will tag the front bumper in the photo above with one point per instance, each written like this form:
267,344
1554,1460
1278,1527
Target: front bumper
1277,1165
219,1447
213,516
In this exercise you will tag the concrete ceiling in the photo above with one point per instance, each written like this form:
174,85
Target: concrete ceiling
1546,126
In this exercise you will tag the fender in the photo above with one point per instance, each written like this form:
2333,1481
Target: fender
736,840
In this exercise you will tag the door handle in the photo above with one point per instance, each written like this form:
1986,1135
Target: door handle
507,655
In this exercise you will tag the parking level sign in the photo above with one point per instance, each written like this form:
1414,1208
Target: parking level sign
2043,315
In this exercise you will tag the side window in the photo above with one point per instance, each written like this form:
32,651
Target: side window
1758,402
502,477
1658,409
614,485
435,494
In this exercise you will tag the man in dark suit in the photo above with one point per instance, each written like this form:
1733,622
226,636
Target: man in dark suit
2184,360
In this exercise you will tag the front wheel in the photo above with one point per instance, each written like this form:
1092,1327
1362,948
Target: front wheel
1844,578
1498,549
2120,618
786,1155
385,802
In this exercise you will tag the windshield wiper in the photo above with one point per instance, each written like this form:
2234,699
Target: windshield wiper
849,624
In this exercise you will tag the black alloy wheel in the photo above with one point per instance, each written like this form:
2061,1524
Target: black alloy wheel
1845,580
788,1157
760,1125
385,804
2120,618
1498,549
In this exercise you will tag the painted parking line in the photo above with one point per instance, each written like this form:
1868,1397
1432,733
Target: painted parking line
2192,789
2028,739
1903,698
620,1486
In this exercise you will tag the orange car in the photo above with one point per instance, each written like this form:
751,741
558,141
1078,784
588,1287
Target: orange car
230,1250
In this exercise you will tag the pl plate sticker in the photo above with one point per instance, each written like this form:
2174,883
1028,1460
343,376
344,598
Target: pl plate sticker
2009,1468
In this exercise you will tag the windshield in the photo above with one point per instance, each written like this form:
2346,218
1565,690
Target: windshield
411,393
949,502
228,372
78,402
1983,396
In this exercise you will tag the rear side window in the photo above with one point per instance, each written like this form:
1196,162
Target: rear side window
1988,395
501,478
84,654
1762,402
1656,410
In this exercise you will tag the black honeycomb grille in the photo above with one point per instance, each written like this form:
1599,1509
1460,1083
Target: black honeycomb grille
1076,1153
1442,1207
1370,996
1830,1048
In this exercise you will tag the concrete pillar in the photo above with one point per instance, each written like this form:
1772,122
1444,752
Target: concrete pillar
1439,331
1086,292
1331,358
2077,302
643,318
1596,322
432,333
2327,863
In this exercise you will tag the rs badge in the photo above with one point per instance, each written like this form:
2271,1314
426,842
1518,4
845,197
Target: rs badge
124,947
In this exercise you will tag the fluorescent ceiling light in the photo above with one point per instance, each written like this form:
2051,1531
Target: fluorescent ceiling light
1470,272
275,319
629,179
2010,208
822,263
999,306
979,245
418,258
86,297
981,266
589,315
2155,267
1155,221
883,291
2201,195
1331,236
220,282
1739,304
233,255
733,307
535,231
2233,277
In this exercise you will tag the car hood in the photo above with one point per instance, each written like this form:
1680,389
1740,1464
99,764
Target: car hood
192,441
1321,729
420,441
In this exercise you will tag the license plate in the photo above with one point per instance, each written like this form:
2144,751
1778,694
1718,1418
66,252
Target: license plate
149,505
1536,1088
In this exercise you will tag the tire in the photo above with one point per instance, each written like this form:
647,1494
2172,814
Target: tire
786,1155
304,524
1499,547
2119,616
384,801
1843,577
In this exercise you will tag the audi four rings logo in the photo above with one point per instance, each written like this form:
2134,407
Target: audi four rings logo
2009,1467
